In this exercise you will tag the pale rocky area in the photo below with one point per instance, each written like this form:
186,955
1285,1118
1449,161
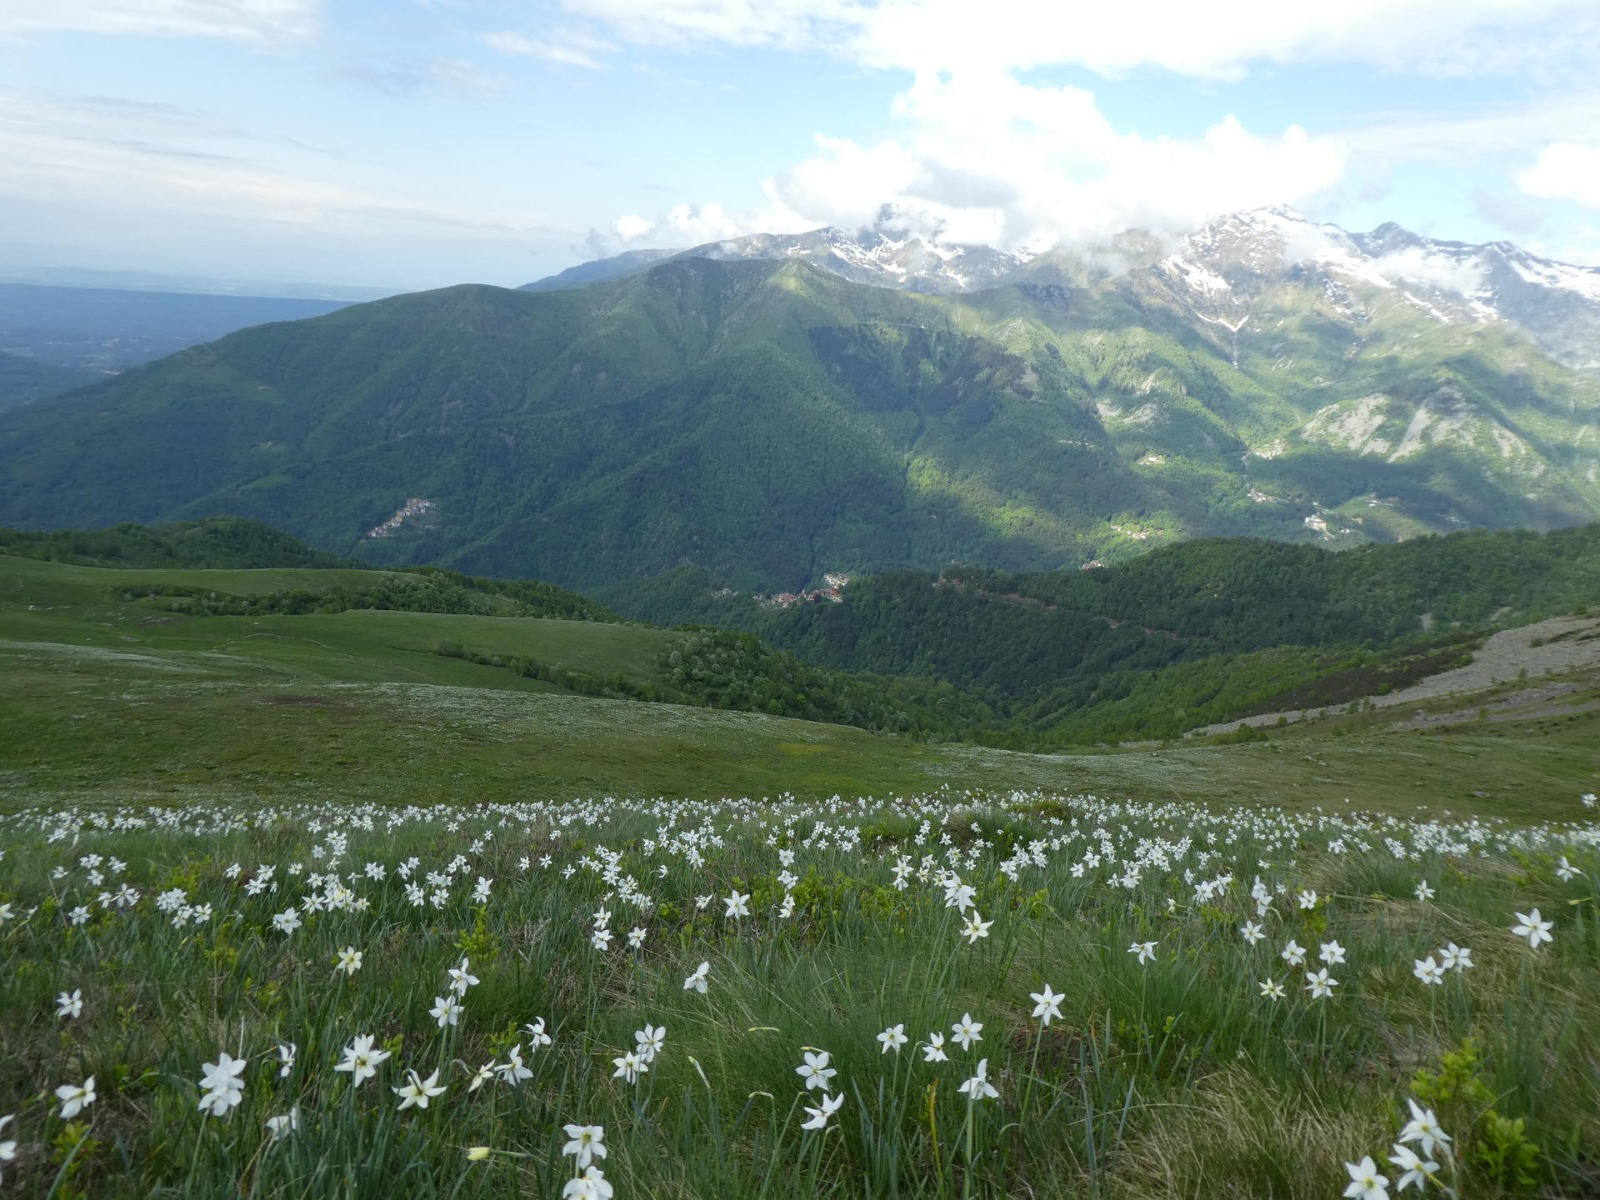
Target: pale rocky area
1547,648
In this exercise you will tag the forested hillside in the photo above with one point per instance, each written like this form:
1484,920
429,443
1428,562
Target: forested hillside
769,422
1148,647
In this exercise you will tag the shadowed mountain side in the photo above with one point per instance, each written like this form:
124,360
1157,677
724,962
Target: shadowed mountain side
770,422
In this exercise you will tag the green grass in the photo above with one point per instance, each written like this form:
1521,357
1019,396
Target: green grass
1176,1078
315,744
53,583
107,696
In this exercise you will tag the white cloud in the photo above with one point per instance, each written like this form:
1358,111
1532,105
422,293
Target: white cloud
631,227
1565,171
1415,265
449,74
1476,133
983,157
175,162
689,225
571,49
792,24
235,20
1217,40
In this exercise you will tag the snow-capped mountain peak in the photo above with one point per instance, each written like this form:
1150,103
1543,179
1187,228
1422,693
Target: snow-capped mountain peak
1227,261
885,258
1219,270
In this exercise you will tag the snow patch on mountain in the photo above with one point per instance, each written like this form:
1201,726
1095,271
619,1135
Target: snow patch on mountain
1581,281
1220,267
1193,276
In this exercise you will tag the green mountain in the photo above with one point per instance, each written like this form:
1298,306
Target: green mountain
273,573
226,543
769,422
1188,634
24,379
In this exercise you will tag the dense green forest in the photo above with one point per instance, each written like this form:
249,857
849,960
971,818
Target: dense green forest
235,543
1184,636
216,543
422,589
728,670
24,379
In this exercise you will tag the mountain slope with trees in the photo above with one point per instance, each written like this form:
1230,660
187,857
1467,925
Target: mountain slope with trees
769,422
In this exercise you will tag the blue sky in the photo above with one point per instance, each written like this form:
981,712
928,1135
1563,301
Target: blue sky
415,143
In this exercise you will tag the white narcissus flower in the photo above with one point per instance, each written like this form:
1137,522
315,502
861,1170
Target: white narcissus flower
287,921
818,1118
892,1039
585,1143
362,1059
815,1070
8,1148
1423,1128
933,1049
512,1071
591,1185
1416,1171
348,961
697,981
1532,926
446,1009
1427,970
1046,1005
1365,1182
966,1031
417,1091
461,978
629,1066
979,1087
75,1097
70,1004
650,1039
222,1085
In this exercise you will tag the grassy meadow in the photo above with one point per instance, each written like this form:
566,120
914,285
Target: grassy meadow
234,847
115,698
1189,1055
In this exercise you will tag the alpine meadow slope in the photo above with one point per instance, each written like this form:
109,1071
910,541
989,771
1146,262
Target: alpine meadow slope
769,421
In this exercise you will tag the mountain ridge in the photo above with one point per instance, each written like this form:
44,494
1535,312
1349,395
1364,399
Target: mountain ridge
1555,303
770,421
